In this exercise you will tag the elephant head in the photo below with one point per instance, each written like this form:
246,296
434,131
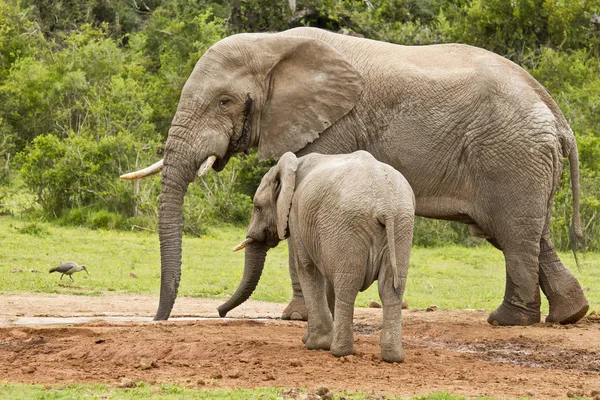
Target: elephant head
274,92
268,225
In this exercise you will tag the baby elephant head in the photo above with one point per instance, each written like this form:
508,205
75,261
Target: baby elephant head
268,225
272,203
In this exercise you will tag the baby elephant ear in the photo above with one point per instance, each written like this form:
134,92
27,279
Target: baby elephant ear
287,165
310,87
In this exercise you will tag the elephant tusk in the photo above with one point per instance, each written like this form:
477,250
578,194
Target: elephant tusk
205,166
142,173
243,244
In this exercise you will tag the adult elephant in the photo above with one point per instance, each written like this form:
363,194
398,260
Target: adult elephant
479,140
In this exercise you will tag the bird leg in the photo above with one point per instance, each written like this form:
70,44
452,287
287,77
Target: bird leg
71,278
61,277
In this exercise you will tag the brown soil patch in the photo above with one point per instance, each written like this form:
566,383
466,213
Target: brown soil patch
453,351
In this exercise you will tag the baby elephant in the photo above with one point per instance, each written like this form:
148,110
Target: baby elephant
349,219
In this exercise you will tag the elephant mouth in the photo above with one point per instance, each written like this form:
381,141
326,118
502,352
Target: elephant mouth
269,240
221,162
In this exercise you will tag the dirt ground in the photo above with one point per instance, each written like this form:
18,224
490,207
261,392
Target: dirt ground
453,351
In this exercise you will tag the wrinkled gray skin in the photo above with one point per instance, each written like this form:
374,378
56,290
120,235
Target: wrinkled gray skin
479,140
350,223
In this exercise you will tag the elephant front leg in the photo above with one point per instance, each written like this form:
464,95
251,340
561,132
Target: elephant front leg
296,310
565,296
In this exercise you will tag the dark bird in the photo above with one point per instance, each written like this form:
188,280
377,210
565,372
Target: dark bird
68,268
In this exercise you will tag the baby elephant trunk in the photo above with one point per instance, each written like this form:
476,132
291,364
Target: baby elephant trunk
254,263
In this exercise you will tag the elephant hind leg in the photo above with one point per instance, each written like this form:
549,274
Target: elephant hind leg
519,239
391,332
343,335
565,296
521,305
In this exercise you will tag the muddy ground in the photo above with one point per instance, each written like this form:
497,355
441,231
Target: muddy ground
453,351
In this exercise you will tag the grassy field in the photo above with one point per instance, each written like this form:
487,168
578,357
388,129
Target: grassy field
168,392
449,277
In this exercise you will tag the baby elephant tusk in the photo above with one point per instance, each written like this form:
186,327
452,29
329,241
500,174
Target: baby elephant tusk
142,173
205,166
243,244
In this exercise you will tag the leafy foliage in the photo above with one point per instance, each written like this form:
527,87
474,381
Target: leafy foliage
88,90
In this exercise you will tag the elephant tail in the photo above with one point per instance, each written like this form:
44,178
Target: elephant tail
576,233
574,166
390,229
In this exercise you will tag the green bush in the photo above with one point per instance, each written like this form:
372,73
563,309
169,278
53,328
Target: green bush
35,229
88,90
215,199
103,219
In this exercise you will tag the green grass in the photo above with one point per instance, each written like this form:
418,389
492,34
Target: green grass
449,277
143,391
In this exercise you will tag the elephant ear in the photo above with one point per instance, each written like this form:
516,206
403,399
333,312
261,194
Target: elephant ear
310,87
287,165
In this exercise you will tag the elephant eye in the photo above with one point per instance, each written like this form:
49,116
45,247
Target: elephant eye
224,101
257,209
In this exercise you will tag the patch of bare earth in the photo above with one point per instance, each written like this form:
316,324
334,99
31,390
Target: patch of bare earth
453,351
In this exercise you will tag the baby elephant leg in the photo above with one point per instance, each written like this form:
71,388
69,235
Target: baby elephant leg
296,309
320,323
343,336
391,332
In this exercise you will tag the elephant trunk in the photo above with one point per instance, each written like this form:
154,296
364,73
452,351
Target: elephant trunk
253,267
177,175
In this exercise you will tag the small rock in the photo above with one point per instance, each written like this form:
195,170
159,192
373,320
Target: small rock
217,376
437,353
431,308
295,363
269,377
348,359
595,393
132,275
126,383
33,270
201,382
325,393
404,305
291,393
146,364
234,375
15,270
28,369
374,304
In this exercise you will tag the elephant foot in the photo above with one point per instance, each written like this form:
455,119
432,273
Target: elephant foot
508,315
566,306
296,310
316,341
565,296
393,355
342,349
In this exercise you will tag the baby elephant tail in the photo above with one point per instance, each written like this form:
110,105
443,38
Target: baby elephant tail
399,257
